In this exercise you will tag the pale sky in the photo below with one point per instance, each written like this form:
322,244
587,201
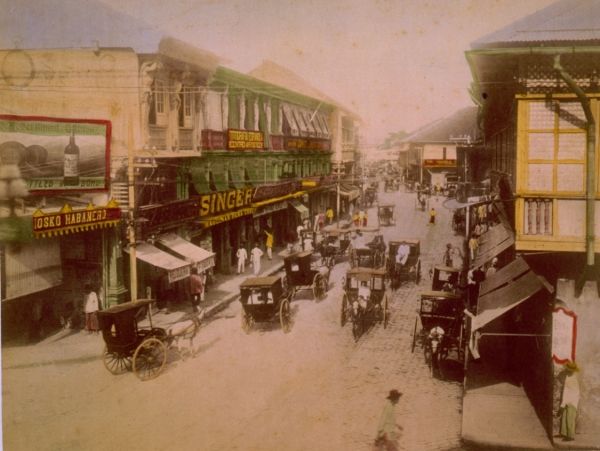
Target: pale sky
399,64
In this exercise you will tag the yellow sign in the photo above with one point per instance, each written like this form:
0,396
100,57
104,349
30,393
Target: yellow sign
245,139
209,222
223,201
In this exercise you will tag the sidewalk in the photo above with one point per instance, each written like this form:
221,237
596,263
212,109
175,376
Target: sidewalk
71,346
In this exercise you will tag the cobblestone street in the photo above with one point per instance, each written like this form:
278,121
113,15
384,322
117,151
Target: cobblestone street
314,388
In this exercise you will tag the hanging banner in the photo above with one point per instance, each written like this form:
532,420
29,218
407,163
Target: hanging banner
57,154
564,335
68,220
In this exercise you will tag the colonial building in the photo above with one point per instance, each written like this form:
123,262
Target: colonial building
536,85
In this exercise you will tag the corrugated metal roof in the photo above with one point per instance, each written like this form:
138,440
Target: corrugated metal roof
461,123
561,22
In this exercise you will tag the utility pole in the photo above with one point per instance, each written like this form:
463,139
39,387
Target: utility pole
131,215
337,210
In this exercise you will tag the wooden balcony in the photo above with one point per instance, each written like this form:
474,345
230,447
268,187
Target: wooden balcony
214,140
537,217
158,137
186,139
277,142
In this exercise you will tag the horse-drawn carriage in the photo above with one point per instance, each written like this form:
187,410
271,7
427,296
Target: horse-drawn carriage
263,299
371,194
404,261
141,349
368,248
365,300
302,272
385,214
391,184
442,330
445,278
335,242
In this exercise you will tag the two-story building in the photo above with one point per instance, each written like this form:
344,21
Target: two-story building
536,85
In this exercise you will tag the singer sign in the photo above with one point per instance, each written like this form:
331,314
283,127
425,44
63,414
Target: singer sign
57,154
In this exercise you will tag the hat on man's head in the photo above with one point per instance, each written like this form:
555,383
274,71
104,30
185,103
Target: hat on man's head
394,394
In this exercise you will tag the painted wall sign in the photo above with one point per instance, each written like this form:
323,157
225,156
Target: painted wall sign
564,335
69,220
171,213
245,139
214,220
264,192
223,201
178,274
307,144
57,154
430,163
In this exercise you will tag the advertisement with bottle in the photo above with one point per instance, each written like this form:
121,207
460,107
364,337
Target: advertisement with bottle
57,154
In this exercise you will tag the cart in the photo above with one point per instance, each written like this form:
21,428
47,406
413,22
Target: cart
303,273
370,196
445,278
385,213
335,243
368,248
442,330
263,299
365,300
404,261
141,349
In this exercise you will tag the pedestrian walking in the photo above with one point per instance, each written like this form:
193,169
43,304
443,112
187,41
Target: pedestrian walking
432,214
242,256
90,302
388,431
317,225
196,288
269,243
569,402
329,214
255,255
299,231
473,246
356,218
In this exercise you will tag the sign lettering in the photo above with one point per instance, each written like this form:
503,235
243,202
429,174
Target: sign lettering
74,220
223,201
245,139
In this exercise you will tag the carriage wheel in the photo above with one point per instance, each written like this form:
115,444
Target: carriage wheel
116,363
318,287
247,322
412,349
418,274
149,359
285,316
385,312
344,311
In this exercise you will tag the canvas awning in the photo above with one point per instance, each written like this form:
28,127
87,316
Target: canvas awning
201,258
176,268
503,291
497,239
349,191
300,208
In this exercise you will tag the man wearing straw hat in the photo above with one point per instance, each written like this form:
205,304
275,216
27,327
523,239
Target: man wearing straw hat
388,430
569,402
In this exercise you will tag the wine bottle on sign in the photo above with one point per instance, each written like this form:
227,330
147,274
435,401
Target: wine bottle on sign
71,163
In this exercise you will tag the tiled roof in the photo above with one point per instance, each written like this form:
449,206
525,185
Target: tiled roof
461,123
562,22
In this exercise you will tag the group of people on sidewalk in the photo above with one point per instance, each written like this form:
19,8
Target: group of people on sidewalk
256,254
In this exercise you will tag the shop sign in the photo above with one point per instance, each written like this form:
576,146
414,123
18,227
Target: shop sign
223,201
178,274
265,192
171,213
307,144
564,335
432,163
69,220
57,154
245,139
212,221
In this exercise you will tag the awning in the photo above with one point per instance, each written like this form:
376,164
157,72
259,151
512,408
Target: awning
202,258
270,208
176,268
300,207
506,289
497,239
349,191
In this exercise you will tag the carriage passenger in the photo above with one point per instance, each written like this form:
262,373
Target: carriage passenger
402,254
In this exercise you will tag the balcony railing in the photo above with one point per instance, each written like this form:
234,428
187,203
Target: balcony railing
537,217
119,191
157,138
214,140
186,140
